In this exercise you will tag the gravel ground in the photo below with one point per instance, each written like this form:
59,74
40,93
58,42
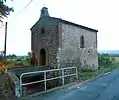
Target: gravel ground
5,89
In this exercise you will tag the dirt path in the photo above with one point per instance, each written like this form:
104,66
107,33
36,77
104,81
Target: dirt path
5,89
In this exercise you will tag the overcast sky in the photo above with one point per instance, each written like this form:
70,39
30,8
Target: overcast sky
102,15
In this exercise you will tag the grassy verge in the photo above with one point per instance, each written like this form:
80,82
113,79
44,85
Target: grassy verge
90,74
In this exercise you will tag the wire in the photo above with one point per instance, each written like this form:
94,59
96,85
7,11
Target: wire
24,8
21,11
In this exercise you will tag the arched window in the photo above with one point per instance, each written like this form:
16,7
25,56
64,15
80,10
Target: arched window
82,42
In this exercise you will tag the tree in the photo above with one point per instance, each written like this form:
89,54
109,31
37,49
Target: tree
14,56
29,55
4,9
9,56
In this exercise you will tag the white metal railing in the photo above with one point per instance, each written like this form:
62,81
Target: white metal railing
62,76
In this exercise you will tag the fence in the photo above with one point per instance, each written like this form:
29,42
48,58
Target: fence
62,76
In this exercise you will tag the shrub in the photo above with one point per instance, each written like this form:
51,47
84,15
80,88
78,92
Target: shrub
104,60
19,59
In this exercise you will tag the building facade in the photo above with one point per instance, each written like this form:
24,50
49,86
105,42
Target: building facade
60,43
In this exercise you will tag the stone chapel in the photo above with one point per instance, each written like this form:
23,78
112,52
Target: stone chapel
60,43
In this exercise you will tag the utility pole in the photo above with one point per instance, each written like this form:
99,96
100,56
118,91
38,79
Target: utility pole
5,41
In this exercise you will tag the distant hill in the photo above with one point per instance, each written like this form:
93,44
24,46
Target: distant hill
114,52
22,56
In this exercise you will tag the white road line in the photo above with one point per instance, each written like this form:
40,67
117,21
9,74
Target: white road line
106,73
82,88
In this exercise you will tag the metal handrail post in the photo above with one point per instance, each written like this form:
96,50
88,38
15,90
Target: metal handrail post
76,73
62,76
21,85
45,80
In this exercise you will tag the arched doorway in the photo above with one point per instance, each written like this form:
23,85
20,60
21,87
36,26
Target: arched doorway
42,56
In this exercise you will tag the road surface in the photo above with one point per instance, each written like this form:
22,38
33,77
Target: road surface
105,87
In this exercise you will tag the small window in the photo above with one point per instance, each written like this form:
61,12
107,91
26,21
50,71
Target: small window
82,42
42,30
43,12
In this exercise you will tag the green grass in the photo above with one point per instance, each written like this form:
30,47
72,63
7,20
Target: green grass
90,74
12,64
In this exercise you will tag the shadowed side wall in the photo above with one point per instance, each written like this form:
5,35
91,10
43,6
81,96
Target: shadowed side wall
47,40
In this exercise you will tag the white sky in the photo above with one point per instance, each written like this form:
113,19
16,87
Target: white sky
102,15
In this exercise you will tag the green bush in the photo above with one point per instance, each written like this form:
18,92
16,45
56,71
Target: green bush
104,60
19,63
113,59
19,59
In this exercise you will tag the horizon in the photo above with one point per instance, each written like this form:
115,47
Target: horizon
99,51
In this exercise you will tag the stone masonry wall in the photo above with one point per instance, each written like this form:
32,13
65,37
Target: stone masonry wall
47,40
84,58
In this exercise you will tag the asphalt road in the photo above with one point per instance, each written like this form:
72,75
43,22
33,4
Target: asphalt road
105,87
